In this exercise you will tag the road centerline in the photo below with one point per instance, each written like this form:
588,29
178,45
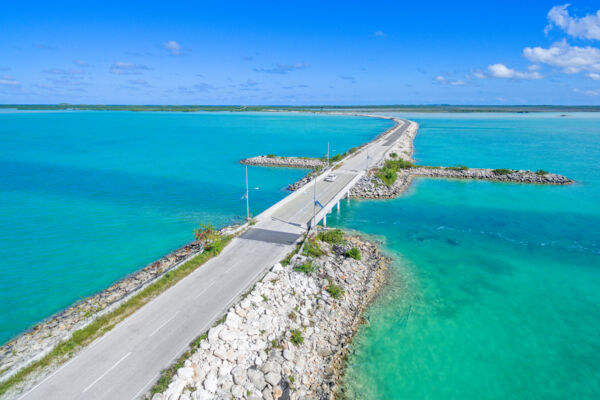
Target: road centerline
104,374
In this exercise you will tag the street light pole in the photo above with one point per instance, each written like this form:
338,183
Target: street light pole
247,197
314,203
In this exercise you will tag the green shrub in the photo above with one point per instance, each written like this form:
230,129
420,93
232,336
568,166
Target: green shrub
336,158
296,337
398,164
271,156
502,171
541,172
394,155
312,249
388,176
331,236
353,253
334,290
306,268
458,168
288,258
352,150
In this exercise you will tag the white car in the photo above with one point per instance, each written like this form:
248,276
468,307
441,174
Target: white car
331,178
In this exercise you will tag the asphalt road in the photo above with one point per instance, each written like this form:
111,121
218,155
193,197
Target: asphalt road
126,362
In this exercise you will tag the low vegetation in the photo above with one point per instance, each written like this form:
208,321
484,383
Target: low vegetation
541,172
387,176
286,261
502,171
331,236
296,337
106,322
306,268
458,168
388,173
312,248
166,375
334,290
353,253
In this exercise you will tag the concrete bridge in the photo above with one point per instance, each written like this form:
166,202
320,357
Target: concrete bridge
126,362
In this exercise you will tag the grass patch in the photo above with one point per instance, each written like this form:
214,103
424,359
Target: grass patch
166,375
541,172
312,249
286,261
502,171
296,337
388,176
336,158
306,268
353,253
394,155
398,164
388,173
331,236
334,290
458,168
105,323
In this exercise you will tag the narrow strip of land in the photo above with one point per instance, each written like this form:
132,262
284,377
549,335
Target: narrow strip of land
125,362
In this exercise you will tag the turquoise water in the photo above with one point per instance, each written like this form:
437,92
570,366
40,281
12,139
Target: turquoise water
88,197
495,288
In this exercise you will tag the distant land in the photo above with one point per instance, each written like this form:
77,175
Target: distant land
238,108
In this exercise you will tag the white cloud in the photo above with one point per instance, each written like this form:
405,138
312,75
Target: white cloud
282,68
126,68
502,71
444,81
173,47
587,27
380,34
587,92
479,75
571,59
593,75
9,81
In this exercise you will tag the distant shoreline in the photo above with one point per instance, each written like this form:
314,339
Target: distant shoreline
442,108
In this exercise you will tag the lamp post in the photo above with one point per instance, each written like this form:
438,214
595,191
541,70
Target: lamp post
246,195
314,203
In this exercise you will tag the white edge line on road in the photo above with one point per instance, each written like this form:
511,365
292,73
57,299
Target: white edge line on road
163,324
46,378
104,374
143,389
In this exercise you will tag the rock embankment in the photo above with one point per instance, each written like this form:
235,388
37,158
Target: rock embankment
289,337
371,187
43,337
517,176
288,162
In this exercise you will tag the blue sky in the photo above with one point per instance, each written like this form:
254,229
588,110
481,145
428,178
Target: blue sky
400,52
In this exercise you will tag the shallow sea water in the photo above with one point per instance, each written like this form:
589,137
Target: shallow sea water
494,288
